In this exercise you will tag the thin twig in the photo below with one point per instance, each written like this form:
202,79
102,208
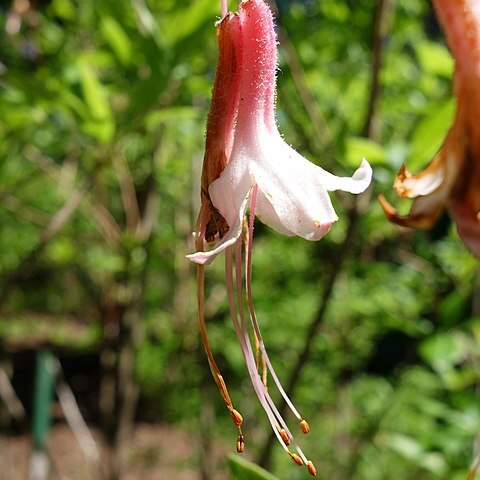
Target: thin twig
54,226
308,99
108,225
127,192
12,402
381,25
75,420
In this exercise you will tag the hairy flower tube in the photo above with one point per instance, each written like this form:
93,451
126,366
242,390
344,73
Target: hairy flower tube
452,179
249,167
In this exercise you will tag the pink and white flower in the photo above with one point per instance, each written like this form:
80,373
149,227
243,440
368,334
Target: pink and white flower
249,166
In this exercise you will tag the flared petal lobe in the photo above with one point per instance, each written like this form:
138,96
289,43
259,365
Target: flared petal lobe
432,188
294,192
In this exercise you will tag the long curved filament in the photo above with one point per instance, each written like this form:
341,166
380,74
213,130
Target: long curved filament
217,376
253,316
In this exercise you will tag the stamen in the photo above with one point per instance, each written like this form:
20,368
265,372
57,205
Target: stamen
221,383
236,417
311,469
247,230
264,371
241,444
257,352
284,436
296,459
276,421
302,455
224,7
304,426
244,340
261,359
283,425
251,307
203,330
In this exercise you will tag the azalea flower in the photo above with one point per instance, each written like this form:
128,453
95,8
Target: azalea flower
452,179
248,166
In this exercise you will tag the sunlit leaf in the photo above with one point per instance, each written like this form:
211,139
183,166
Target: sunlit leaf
100,123
444,351
93,92
453,308
116,37
242,469
101,130
172,114
358,147
186,19
434,58
63,9
430,133
406,446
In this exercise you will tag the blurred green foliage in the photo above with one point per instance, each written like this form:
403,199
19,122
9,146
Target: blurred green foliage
90,90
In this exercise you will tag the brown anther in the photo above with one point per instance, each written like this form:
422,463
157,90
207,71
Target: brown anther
240,444
296,459
236,417
311,469
285,437
305,427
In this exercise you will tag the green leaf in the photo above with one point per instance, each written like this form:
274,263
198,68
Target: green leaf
410,449
358,147
335,11
185,21
63,9
453,308
434,462
100,123
93,92
430,133
444,351
118,40
169,115
405,446
434,58
102,131
242,469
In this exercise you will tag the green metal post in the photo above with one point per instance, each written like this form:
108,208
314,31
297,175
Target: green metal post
42,400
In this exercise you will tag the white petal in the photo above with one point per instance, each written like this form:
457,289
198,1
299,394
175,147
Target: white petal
358,183
293,187
230,194
235,230
267,215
